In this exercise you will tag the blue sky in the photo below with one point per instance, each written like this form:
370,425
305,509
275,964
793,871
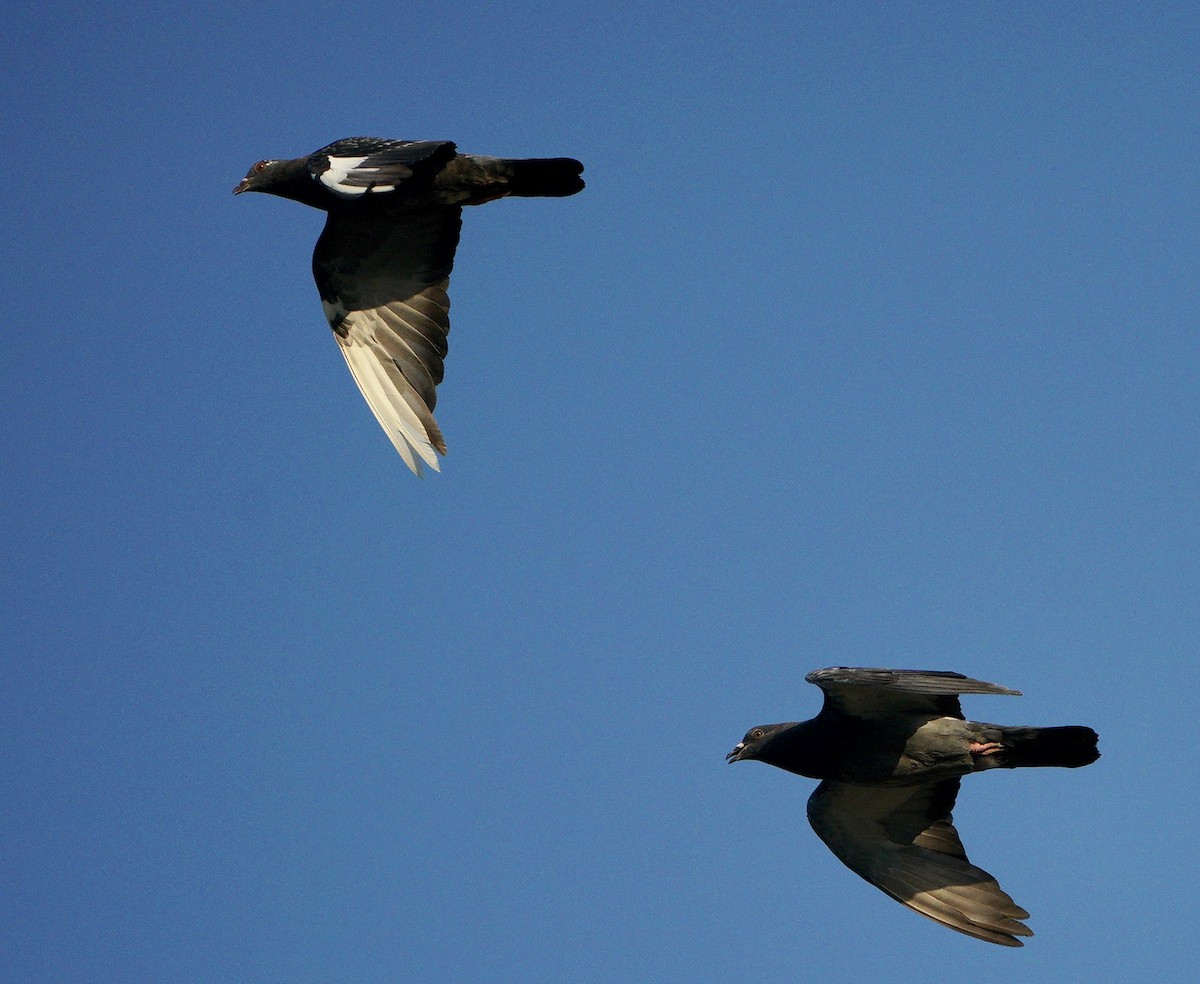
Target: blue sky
872,341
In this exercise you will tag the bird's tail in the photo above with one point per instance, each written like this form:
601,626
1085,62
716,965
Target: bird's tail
1067,747
552,177
472,180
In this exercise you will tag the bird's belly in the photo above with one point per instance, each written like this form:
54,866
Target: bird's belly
896,751
938,749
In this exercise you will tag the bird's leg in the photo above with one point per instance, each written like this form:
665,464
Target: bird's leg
984,747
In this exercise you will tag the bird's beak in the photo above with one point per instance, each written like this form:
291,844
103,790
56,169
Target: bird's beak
242,186
736,754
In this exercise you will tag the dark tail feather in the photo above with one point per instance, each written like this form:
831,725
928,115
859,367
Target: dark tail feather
553,177
1067,747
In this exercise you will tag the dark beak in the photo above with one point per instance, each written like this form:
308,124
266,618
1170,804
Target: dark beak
242,186
736,754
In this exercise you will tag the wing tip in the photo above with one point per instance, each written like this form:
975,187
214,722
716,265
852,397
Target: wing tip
415,436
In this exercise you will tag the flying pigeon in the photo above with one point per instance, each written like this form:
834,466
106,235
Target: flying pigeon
890,747
382,263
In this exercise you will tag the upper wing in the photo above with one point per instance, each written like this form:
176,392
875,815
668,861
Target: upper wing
863,691
357,166
902,840
382,279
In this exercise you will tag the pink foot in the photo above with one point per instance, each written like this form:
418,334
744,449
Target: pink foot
985,748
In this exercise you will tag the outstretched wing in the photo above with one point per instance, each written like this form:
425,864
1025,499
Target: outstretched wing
863,691
359,166
902,840
383,287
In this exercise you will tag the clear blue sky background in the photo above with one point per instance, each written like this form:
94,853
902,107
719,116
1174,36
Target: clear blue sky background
872,341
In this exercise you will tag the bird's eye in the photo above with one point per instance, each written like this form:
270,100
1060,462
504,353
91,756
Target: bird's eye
260,167
757,733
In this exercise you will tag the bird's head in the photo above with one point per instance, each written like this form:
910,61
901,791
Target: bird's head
756,742
286,179
259,177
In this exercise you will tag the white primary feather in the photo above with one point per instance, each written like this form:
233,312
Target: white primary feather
381,388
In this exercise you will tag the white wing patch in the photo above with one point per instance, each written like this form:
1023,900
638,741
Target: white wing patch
347,177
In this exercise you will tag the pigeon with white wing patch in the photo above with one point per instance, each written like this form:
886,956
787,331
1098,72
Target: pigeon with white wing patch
382,264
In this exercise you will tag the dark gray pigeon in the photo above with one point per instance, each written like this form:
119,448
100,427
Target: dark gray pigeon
383,262
889,747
